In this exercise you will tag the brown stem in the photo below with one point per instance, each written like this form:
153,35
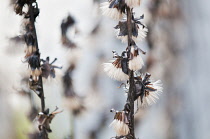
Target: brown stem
43,132
130,99
129,25
36,43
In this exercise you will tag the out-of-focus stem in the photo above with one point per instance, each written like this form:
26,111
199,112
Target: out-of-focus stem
71,125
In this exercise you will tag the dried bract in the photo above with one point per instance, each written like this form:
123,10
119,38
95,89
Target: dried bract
48,69
44,119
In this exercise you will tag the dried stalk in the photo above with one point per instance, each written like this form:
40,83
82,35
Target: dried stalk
37,47
130,98
139,87
43,133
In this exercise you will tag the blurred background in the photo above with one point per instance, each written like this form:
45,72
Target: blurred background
177,49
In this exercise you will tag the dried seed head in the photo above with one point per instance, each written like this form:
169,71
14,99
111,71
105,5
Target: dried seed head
113,9
44,119
120,123
152,93
114,70
147,92
139,31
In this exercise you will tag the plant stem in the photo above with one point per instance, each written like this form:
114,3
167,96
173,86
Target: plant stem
36,43
130,99
43,132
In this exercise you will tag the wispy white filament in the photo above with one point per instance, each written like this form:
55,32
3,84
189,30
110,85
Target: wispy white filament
114,72
153,95
133,3
110,12
136,63
120,127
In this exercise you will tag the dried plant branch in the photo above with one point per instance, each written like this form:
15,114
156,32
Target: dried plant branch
129,30
44,134
130,99
38,70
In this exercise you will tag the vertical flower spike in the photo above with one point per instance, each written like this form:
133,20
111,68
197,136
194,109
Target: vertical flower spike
113,9
136,61
120,123
115,70
139,31
133,3
129,30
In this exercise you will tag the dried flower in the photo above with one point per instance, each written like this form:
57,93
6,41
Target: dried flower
33,61
48,69
120,123
34,64
34,85
139,31
147,91
113,9
19,6
135,62
36,73
44,119
118,69
29,50
152,95
133,3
